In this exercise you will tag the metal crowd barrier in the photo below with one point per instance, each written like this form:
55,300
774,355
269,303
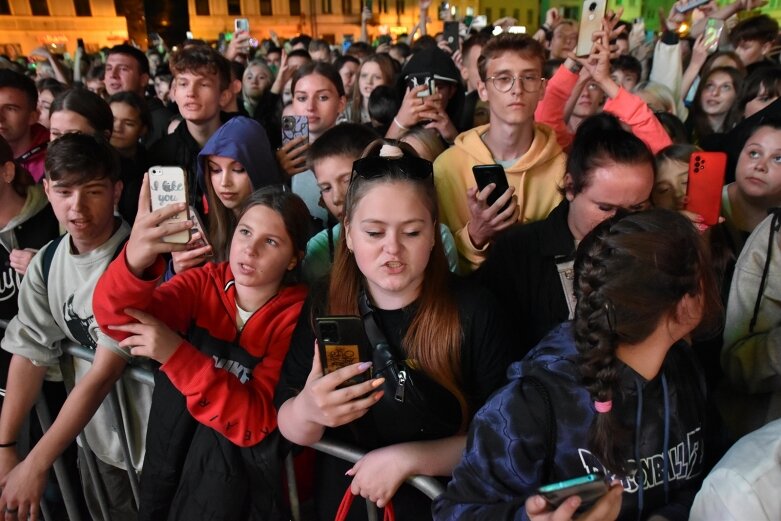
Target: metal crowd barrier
427,485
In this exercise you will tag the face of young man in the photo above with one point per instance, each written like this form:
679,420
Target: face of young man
516,106
85,210
198,95
123,73
17,115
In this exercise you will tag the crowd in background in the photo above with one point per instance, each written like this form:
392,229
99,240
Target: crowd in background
579,318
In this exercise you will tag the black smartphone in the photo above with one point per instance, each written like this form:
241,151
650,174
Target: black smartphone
342,341
451,35
487,174
590,488
80,43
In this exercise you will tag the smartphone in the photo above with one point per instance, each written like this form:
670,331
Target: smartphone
80,43
241,24
590,22
368,5
712,35
384,38
487,174
342,341
347,43
189,35
422,78
293,127
168,185
451,35
706,180
199,228
590,488
690,5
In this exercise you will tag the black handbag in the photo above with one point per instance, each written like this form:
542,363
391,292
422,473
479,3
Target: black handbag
414,406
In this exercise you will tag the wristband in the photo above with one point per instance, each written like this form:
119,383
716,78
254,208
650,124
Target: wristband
575,69
396,121
9,444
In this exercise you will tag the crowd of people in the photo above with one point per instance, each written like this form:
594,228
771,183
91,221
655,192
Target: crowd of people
584,319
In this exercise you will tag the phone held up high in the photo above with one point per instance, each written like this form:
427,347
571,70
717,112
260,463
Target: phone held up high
422,78
487,174
590,22
590,488
451,35
706,180
241,25
342,341
712,34
168,185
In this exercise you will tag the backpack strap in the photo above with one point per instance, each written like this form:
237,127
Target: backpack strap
48,257
775,225
51,249
550,431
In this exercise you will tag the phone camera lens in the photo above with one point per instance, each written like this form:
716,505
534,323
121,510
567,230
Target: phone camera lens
592,6
329,332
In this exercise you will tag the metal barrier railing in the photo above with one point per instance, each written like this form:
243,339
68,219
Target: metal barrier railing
427,485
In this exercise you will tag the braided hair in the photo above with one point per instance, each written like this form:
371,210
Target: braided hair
631,272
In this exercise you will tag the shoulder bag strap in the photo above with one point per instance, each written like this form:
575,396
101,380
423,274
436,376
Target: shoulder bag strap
551,434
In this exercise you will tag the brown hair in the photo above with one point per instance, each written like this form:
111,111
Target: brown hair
434,336
524,45
200,59
631,272
294,214
385,62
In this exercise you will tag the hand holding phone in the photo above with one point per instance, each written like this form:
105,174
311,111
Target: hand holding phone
712,34
342,341
589,488
168,185
293,127
241,25
591,16
487,174
418,79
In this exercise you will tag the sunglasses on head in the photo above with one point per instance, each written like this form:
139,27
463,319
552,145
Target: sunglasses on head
377,166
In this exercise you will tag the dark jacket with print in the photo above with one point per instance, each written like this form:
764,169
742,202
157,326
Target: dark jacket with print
506,447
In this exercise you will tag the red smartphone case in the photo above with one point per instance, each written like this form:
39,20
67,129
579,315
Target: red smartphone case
706,181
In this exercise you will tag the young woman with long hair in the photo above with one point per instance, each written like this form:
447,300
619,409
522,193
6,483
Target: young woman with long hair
617,390
447,331
378,69
220,333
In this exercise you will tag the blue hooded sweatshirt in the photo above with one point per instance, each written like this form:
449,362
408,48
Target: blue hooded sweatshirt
244,140
504,459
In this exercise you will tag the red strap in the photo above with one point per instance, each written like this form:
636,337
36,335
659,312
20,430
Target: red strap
347,501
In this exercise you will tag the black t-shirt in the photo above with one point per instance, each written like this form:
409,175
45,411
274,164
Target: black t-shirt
484,359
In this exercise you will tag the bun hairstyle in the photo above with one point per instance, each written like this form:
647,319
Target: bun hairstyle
631,272
601,140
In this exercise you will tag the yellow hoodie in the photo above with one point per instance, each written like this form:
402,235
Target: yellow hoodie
536,177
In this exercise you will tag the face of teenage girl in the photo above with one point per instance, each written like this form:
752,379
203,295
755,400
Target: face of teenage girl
370,78
316,98
718,95
672,180
261,250
230,181
758,172
762,100
348,72
67,121
257,80
610,187
391,233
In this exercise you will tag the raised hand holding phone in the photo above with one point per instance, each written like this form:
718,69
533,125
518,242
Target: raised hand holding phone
146,240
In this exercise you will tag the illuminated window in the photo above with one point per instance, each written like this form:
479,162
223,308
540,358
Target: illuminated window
295,7
202,8
234,7
4,7
265,8
82,7
39,7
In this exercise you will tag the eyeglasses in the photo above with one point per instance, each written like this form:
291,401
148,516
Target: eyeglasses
377,166
712,88
505,82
